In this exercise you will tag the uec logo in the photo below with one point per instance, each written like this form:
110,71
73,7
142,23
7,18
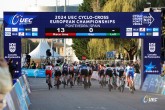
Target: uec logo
19,19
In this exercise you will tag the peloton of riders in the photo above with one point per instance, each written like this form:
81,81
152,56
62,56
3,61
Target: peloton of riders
70,73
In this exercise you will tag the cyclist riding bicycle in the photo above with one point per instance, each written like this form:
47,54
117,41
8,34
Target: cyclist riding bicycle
130,75
57,74
109,73
48,71
71,73
90,73
83,71
101,72
121,73
65,71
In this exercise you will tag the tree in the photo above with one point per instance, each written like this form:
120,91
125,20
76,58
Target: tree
85,6
80,47
25,45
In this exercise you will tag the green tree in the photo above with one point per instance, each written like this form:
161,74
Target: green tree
26,43
80,46
85,6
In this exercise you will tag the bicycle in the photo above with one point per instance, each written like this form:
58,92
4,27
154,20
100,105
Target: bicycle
103,81
70,81
64,81
122,84
110,87
85,83
131,85
58,82
114,82
48,81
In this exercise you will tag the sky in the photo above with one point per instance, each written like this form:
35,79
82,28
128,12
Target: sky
23,5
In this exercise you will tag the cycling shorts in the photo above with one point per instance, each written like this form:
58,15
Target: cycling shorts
49,72
84,72
64,72
121,73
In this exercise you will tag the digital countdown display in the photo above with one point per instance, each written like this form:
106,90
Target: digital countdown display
144,25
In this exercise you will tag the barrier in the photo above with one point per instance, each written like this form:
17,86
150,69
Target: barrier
17,98
155,84
34,72
137,81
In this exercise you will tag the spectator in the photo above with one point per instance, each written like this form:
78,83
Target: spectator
137,67
33,65
27,59
12,67
5,80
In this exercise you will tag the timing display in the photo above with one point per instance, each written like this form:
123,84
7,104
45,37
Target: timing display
82,32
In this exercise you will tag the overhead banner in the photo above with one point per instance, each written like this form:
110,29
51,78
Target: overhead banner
145,25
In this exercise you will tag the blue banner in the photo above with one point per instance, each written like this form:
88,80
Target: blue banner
34,72
151,56
21,97
24,91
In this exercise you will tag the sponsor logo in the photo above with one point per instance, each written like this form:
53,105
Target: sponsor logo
152,47
19,19
149,34
21,34
149,99
34,29
128,33
142,29
12,47
28,34
14,29
128,29
34,34
149,29
155,29
141,19
14,34
136,29
8,29
21,29
28,29
135,33
7,33
142,34
155,33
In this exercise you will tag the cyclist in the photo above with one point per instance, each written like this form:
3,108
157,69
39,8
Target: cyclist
65,70
71,73
75,72
130,76
48,72
83,70
101,72
57,74
114,75
108,72
90,73
121,73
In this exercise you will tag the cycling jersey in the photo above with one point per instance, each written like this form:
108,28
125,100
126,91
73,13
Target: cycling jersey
48,70
121,71
108,71
57,71
65,69
131,72
84,70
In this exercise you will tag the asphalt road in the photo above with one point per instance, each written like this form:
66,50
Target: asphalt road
94,98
